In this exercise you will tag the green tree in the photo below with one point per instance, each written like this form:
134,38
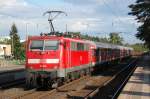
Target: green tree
141,9
115,38
104,40
5,41
139,47
15,41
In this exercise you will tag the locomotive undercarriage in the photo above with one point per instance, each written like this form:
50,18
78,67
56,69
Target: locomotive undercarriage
40,79
48,80
77,74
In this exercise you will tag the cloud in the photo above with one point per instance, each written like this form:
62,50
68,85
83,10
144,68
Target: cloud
18,9
87,16
85,2
11,4
78,26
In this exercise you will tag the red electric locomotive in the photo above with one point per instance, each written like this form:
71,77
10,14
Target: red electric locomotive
51,58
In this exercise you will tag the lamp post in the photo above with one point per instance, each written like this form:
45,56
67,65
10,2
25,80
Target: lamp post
37,27
12,44
27,31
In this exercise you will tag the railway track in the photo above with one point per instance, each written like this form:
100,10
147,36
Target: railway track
60,90
85,87
11,77
118,90
113,89
93,85
12,83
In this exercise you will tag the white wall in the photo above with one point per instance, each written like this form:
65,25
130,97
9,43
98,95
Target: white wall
8,49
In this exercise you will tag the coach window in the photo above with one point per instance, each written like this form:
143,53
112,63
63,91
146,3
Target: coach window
80,46
109,51
73,46
86,47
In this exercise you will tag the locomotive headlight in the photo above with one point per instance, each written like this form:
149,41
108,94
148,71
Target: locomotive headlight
30,67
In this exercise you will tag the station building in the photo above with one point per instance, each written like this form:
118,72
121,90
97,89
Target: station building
5,50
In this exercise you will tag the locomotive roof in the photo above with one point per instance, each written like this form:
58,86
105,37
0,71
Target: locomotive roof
98,44
61,37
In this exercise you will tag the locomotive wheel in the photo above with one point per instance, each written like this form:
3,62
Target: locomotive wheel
77,74
60,82
88,71
38,81
72,76
29,84
48,83
84,72
81,73
68,78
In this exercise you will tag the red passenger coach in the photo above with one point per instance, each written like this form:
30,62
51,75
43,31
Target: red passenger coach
53,58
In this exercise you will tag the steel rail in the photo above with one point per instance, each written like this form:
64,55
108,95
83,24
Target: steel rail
24,94
12,83
122,85
93,92
61,88
42,95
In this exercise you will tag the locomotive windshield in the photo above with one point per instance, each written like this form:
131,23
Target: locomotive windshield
51,45
37,45
44,45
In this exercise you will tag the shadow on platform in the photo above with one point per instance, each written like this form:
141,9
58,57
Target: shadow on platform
136,93
138,82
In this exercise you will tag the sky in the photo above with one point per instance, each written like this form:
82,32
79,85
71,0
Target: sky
92,17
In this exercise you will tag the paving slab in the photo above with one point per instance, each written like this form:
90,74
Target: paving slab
138,86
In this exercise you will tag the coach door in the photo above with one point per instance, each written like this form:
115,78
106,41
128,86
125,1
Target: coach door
92,55
73,54
67,55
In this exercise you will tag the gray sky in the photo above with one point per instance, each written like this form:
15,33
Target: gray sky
95,17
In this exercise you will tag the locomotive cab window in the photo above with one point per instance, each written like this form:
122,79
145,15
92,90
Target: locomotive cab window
86,47
44,45
80,46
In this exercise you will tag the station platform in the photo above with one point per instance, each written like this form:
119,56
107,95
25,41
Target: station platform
138,86
10,65
11,68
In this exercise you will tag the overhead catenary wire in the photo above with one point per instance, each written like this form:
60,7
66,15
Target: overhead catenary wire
113,12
